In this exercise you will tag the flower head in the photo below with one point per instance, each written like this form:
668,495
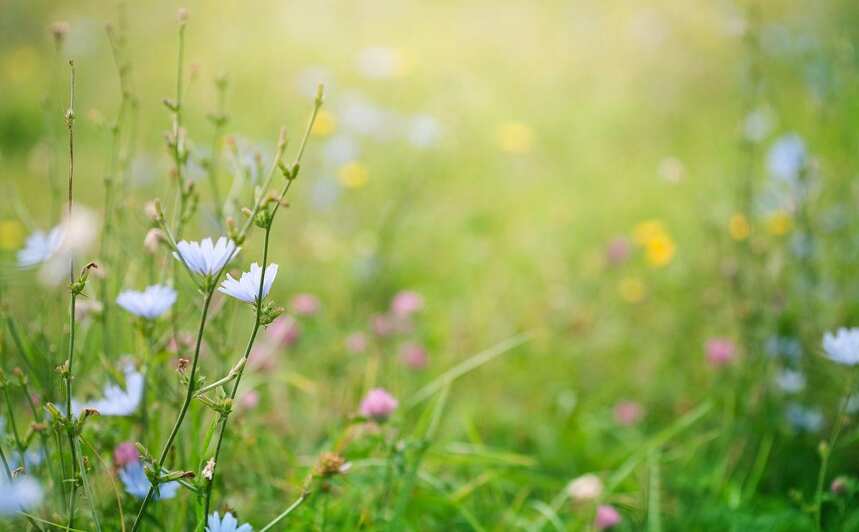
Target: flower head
720,351
606,517
585,488
305,304
149,304
136,482
21,493
842,346
628,413
125,453
790,381
787,157
116,401
40,247
617,251
382,325
356,342
247,287
406,303
205,258
413,355
378,404
283,331
228,524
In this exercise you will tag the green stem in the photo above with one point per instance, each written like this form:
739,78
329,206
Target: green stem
70,429
826,451
182,412
5,464
301,498
225,416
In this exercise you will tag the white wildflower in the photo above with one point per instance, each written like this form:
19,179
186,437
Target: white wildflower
842,346
149,304
247,287
204,257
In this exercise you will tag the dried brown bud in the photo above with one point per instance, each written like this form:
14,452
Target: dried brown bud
59,30
331,464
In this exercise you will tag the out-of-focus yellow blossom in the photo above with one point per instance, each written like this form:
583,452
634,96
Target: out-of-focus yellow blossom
515,137
647,230
631,289
658,245
352,175
779,223
11,234
324,125
738,227
659,250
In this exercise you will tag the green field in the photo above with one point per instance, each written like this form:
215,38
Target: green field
542,265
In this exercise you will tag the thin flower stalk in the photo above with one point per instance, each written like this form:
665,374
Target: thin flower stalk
258,310
67,372
189,395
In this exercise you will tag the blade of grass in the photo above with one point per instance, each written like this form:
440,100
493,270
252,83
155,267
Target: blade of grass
464,368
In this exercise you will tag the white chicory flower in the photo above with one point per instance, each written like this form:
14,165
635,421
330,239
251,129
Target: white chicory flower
40,247
150,303
842,346
246,288
206,258
228,524
19,494
116,401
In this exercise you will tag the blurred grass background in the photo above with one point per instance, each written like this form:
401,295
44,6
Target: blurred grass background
558,126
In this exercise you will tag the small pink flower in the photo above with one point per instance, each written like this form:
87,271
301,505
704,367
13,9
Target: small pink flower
284,331
720,351
382,325
249,400
356,342
606,517
628,413
125,453
378,404
406,303
617,251
305,304
414,356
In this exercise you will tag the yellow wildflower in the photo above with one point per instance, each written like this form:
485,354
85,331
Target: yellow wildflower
352,175
11,234
659,250
324,125
647,230
779,223
738,227
515,137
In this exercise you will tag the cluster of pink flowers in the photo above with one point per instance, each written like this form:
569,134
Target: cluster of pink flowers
397,320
